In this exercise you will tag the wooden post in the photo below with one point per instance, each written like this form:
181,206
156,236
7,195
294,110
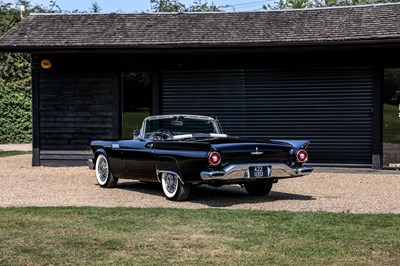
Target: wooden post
377,130
35,111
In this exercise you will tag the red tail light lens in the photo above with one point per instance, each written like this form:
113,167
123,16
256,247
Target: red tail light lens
214,158
301,156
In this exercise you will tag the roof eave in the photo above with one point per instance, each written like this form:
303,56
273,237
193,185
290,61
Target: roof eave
199,47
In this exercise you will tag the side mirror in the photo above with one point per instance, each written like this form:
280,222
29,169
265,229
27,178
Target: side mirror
136,133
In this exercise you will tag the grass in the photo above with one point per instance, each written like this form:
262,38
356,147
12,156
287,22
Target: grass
124,236
391,124
12,153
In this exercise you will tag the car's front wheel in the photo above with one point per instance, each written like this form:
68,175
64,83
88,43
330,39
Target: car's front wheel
259,188
173,188
104,176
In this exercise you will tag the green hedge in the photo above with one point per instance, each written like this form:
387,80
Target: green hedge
15,99
15,77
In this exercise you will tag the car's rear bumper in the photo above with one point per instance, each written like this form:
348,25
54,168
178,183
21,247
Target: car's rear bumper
240,171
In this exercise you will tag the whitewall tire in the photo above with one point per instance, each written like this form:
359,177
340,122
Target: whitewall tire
173,188
104,176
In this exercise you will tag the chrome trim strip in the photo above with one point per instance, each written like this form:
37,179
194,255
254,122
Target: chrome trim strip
240,171
168,172
115,146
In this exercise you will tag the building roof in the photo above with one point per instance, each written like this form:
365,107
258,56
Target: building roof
321,26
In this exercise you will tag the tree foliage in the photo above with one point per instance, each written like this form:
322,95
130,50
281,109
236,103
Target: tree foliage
293,4
15,100
95,8
176,6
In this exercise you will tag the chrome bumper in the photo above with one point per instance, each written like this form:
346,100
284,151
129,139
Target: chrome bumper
240,171
90,164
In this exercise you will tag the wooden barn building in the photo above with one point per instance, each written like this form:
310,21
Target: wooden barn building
314,74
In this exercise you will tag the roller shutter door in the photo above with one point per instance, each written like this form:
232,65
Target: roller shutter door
332,108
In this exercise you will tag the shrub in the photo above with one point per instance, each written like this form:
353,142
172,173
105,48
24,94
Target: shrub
15,99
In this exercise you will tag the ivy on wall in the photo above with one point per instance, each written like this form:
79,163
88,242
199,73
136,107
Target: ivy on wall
15,81
15,99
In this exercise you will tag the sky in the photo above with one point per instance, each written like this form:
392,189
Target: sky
129,6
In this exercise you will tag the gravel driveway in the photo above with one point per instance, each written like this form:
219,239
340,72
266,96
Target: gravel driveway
333,190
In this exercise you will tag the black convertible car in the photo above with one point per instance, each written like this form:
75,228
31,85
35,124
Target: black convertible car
184,150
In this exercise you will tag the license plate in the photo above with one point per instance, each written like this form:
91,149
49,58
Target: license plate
259,171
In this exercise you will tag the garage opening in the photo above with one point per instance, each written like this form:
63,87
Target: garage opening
391,118
329,107
136,101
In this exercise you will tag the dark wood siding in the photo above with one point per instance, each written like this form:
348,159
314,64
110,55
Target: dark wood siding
330,107
75,107
321,95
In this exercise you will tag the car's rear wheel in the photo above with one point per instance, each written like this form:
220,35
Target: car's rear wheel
104,176
173,188
259,187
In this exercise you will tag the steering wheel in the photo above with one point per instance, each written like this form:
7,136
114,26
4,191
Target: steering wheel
162,134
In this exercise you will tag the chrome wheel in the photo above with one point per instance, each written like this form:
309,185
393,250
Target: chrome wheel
102,170
170,184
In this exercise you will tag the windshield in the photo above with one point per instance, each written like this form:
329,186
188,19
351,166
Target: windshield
180,125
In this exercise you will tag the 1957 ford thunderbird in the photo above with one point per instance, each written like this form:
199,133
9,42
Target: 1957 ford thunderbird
180,151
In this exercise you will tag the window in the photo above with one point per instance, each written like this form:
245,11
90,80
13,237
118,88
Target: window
136,101
391,118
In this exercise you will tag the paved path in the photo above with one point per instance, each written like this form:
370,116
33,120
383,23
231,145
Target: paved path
16,147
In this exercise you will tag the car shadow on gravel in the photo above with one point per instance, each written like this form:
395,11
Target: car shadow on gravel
227,196
142,187
224,196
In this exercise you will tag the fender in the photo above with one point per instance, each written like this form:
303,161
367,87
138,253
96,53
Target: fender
92,162
167,164
297,144
98,152
116,164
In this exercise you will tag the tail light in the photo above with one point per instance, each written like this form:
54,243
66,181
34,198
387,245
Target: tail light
301,156
214,158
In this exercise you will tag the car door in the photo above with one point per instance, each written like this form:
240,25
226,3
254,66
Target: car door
138,156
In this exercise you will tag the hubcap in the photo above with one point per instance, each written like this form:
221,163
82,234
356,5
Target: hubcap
172,183
103,169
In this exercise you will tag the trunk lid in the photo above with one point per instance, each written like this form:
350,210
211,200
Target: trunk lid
247,151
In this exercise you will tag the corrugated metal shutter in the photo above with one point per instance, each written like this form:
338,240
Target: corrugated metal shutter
332,108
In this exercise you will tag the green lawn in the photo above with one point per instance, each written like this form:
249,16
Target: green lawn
126,236
391,124
12,153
